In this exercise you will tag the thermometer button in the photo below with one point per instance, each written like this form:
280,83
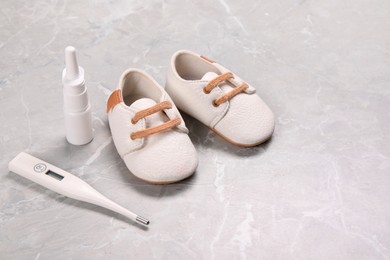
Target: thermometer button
40,167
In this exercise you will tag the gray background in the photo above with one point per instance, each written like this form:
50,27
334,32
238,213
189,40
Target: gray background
318,190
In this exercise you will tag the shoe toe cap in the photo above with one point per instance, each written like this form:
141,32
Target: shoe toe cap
165,158
248,122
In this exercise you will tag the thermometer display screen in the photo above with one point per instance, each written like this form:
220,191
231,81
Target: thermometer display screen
54,175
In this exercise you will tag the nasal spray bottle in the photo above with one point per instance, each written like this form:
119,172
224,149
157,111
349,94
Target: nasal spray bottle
77,110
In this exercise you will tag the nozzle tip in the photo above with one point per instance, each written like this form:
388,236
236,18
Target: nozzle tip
70,49
71,65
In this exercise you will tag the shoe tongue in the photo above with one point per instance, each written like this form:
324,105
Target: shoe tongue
212,75
143,103
154,119
209,75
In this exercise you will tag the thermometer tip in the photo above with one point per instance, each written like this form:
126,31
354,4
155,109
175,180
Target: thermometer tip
142,220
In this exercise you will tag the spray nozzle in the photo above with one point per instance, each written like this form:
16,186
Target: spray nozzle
71,65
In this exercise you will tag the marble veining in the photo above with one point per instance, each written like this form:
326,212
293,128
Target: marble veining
319,189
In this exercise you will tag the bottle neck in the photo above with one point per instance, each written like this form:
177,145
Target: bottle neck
75,86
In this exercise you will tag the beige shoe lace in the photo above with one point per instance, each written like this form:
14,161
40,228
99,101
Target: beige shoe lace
156,129
229,95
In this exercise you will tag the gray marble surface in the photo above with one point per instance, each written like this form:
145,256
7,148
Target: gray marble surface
320,189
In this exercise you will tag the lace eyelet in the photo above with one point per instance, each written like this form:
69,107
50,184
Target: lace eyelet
131,137
215,104
205,91
133,122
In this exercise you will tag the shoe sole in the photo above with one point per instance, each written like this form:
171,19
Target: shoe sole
238,144
162,182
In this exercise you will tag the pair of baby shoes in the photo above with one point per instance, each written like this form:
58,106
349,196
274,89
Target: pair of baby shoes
149,132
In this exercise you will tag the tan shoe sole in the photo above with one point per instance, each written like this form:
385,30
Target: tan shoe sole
238,144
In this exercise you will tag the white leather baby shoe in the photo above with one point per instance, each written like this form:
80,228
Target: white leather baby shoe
219,99
148,130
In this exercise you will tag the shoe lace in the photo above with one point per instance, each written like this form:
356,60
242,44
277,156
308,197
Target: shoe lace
229,95
156,129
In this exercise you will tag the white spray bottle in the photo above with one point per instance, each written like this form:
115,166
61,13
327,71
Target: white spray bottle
77,110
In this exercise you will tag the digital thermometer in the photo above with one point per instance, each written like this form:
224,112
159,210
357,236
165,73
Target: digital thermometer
65,183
